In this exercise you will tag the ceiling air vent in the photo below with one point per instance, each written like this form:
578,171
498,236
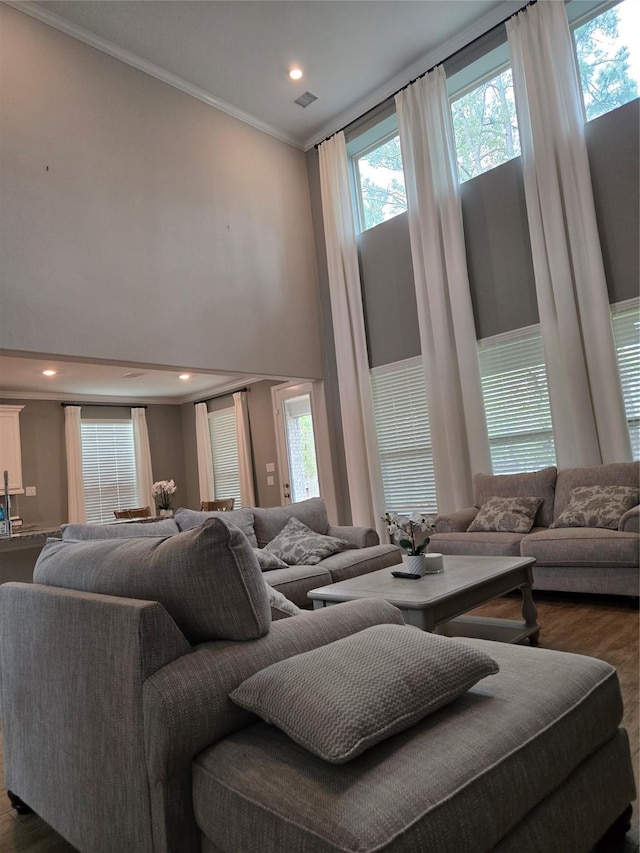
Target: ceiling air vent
132,375
305,99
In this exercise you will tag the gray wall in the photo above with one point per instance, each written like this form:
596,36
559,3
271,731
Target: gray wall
140,225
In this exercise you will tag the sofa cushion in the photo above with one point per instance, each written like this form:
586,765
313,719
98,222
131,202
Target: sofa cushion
597,506
539,483
298,545
267,560
360,561
594,547
296,581
476,544
270,521
433,787
127,530
612,474
340,699
242,518
506,515
208,578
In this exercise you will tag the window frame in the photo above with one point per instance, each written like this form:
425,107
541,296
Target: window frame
125,502
218,495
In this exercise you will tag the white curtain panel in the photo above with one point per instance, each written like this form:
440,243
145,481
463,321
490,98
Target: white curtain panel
445,313
203,448
243,435
364,478
587,406
75,484
142,453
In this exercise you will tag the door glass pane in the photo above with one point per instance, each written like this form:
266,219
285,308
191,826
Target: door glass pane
301,449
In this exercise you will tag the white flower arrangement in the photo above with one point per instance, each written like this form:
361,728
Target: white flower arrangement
406,529
162,491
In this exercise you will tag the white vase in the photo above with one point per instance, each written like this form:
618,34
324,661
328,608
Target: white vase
165,513
434,564
414,563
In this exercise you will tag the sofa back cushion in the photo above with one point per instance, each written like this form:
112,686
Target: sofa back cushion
269,522
126,530
186,519
208,578
540,484
612,474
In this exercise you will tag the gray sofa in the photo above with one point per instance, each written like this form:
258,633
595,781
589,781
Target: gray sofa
584,559
116,671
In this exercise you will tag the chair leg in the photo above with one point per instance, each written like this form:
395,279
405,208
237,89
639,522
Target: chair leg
18,804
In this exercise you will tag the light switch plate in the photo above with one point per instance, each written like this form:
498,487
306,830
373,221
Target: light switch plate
271,466
269,481
30,491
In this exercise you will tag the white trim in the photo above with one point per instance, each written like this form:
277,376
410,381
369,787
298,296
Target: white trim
511,335
396,365
625,305
147,67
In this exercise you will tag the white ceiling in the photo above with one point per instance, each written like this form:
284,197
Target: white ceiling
235,55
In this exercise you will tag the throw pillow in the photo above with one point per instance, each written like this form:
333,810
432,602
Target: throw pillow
597,506
207,579
242,518
340,699
505,515
281,607
126,530
267,560
298,545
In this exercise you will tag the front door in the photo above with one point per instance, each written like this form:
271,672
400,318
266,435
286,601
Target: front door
296,440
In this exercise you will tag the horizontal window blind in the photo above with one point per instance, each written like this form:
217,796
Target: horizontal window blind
224,451
404,438
516,399
626,332
108,468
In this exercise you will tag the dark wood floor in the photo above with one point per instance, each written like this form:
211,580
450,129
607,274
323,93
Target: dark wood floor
602,628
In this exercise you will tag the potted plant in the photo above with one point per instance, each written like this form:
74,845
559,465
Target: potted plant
162,491
407,532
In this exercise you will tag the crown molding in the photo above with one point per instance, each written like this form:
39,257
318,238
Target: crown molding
416,69
146,67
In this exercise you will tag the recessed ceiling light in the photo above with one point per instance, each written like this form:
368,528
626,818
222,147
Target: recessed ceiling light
49,372
295,73
184,376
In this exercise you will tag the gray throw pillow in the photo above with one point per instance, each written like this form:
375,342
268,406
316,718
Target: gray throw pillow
597,506
186,519
124,530
505,515
340,699
207,579
280,605
298,545
267,560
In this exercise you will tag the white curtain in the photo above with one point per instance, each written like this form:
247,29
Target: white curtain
203,448
142,453
75,484
445,314
584,386
364,478
243,435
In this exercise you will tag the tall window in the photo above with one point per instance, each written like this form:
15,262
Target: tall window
380,181
608,53
224,451
404,438
516,399
626,332
108,468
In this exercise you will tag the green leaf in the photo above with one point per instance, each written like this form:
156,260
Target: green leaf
406,543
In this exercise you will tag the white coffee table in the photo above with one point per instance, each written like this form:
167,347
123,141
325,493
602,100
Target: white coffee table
437,603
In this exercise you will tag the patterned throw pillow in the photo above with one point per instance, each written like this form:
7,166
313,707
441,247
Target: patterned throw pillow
298,545
268,560
340,699
281,607
597,506
505,515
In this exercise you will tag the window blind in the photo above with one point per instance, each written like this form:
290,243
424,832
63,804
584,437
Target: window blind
224,451
516,399
626,332
108,468
404,438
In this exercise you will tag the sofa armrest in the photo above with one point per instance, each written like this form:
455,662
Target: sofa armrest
630,521
456,522
361,537
187,705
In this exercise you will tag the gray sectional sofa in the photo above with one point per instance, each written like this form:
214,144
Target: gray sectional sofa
572,555
121,668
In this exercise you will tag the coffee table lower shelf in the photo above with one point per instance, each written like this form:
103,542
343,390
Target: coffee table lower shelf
486,628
